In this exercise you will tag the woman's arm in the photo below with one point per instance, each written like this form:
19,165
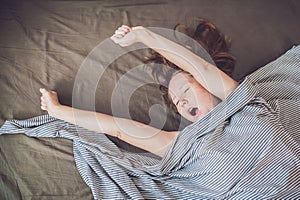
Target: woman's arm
209,76
143,136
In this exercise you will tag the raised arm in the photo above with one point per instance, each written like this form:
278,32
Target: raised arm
138,134
209,76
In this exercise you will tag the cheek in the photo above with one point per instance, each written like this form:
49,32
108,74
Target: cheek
202,95
185,115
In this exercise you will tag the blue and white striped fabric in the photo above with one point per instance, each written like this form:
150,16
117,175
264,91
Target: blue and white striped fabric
248,147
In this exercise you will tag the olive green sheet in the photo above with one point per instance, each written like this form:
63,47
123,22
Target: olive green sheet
44,43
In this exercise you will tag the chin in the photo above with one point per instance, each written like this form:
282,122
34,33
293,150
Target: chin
197,118
193,119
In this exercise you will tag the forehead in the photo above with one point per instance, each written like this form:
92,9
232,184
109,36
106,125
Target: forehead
178,81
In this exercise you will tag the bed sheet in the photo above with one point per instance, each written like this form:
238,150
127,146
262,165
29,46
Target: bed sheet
43,44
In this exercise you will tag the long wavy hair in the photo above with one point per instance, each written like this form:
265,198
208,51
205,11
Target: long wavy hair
210,38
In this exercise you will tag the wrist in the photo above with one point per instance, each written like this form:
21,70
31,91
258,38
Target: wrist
140,33
55,111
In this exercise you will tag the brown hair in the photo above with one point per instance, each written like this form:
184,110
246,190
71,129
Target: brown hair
210,38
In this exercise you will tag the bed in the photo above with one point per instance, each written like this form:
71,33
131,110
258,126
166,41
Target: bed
43,44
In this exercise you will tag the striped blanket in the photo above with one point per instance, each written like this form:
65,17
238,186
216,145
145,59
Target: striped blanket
248,147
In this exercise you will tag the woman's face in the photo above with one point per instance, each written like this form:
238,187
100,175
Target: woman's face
191,99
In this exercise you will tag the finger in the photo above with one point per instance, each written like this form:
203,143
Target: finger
115,38
120,32
123,30
127,27
43,100
48,93
42,90
119,36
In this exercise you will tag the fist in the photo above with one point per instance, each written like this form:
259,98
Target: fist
126,36
49,101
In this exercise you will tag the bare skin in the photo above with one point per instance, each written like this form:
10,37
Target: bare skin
146,137
193,101
209,76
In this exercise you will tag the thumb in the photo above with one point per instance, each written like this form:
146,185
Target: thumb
116,38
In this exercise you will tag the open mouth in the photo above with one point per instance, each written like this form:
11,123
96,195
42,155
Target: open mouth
194,111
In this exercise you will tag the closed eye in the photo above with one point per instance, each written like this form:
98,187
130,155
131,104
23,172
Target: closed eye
186,90
176,104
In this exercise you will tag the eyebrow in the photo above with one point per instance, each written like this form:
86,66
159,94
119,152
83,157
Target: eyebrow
183,92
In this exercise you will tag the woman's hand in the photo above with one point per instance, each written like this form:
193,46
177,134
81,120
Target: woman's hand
126,36
49,101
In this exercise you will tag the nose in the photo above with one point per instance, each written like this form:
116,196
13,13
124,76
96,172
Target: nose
183,103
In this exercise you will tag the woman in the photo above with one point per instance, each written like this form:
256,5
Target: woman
243,144
194,90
